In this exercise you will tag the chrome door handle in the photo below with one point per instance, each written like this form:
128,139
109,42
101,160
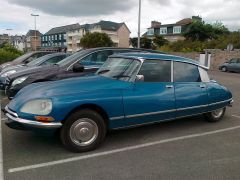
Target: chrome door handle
202,86
169,86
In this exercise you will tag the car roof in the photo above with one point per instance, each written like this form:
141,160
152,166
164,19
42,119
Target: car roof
151,56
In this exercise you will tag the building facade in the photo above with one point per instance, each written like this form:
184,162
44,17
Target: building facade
171,32
56,38
118,32
33,40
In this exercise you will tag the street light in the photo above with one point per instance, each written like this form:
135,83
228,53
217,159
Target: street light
35,16
139,22
9,38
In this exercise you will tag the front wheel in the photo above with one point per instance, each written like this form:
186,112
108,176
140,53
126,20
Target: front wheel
215,115
83,131
224,69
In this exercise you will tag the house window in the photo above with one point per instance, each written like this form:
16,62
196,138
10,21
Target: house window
163,30
64,36
49,38
176,29
150,32
60,37
56,37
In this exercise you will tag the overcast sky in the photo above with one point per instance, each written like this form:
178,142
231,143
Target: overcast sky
15,14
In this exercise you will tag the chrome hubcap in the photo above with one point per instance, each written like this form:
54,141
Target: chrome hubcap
217,113
83,132
224,69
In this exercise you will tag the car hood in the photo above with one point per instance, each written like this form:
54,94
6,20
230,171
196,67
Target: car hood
67,87
33,70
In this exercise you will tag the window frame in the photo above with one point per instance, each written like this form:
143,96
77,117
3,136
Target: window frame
165,30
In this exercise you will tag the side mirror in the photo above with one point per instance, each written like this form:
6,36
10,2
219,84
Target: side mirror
78,67
139,78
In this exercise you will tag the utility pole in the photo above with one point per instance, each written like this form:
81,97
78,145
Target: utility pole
35,17
139,22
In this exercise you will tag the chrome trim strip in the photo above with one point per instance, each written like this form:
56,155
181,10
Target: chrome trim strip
193,107
148,114
116,118
220,102
31,123
169,111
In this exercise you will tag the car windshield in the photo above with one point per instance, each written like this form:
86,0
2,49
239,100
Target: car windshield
38,61
120,68
21,58
76,56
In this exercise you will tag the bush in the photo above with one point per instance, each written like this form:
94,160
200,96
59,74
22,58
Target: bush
8,53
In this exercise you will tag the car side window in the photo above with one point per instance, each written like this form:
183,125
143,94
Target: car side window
156,71
54,60
184,72
233,61
97,58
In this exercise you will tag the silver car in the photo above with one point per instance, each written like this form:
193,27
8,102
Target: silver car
232,65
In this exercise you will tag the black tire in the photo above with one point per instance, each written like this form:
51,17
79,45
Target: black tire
212,117
224,69
68,132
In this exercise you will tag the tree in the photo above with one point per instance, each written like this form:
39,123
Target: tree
96,39
145,42
159,41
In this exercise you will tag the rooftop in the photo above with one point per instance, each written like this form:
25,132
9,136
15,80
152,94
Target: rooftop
32,33
63,29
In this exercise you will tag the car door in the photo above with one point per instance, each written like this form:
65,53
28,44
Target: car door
238,66
152,99
190,92
232,65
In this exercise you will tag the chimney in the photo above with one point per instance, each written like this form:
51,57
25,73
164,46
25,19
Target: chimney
155,24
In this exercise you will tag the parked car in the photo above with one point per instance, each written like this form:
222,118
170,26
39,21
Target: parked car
44,60
24,59
128,90
72,66
232,65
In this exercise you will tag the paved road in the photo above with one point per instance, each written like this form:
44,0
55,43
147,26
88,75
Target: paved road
184,149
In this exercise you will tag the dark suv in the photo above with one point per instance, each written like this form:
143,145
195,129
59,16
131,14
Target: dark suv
232,65
79,64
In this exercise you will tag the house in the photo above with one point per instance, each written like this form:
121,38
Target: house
4,38
19,42
56,38
33,40
118,32
171,32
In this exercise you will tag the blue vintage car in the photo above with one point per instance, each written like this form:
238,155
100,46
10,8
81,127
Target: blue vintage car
128,90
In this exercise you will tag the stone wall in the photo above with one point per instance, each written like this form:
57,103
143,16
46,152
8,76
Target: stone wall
217,56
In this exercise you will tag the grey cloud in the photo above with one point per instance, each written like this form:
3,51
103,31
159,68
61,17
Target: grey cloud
77,7
161,2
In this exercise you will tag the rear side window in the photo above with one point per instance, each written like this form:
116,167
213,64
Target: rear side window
184,72
156,71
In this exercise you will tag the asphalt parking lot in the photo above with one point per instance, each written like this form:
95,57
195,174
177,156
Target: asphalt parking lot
189,148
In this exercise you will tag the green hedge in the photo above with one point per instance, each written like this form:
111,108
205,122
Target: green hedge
8,53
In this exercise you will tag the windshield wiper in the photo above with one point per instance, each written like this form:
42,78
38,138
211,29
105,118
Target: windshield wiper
120,76
103,71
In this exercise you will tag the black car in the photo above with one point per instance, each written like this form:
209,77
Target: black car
44,60
78,64
24,59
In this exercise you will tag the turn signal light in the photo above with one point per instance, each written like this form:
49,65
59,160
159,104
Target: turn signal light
44,118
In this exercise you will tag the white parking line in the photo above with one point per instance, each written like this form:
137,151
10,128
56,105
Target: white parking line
236,116
41,165
1,151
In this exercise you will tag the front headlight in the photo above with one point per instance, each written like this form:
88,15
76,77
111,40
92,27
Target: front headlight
19,80
38,106
8,73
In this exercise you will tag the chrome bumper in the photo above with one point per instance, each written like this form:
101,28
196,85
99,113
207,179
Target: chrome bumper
231,103
13,117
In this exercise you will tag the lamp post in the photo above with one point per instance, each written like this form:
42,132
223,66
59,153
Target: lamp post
35,17
9,38
139,22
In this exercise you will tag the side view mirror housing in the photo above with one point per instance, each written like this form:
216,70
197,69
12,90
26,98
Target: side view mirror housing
78,67
139,78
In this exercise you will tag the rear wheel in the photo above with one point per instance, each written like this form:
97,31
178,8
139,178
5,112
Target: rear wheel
224,69
215,115
83,131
